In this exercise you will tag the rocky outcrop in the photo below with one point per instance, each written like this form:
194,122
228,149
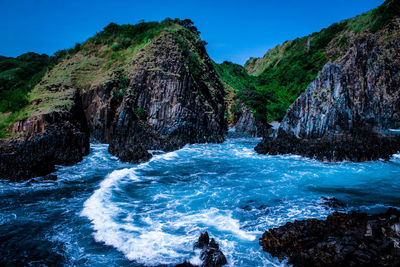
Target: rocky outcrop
165,105
354,239
347,112
210,254
57,138
247,123
159,96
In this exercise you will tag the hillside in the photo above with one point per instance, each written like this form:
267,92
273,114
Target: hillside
149,86
349,110
286,70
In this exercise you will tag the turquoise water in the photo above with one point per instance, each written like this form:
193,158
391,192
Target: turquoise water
104,212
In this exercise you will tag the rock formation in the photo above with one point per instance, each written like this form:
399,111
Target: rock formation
354,239
158,95
164,106
56,138
211,255
348,111
248,124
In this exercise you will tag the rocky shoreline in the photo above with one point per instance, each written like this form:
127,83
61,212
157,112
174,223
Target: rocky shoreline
158,102
354,239
347,112
57,138
356,148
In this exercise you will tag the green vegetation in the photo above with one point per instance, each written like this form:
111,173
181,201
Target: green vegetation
123,83
94,61
18,76
141,113
286,70
384,14
239,85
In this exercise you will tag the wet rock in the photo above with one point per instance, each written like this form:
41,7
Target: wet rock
332,202
347,112
57,138
185,264
354,239
211,255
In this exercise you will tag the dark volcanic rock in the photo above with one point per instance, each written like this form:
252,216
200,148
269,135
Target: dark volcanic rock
211,255
332,202
348,111
354,239
58,138
165,105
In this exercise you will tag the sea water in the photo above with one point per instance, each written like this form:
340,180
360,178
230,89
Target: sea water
102,212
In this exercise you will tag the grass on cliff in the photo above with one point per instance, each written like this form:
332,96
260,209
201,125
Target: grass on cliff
286,70
94,61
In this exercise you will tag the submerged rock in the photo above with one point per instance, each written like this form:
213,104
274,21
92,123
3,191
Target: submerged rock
347,112
354,239
332,202
210,254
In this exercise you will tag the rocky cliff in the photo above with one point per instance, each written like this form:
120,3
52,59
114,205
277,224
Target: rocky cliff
144,87
244,122
55,138
167,102
347,112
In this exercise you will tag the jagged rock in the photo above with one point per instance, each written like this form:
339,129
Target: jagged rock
175,107
185,264
347,112
57,138
211,255
164,97
354,239
247,123
203,241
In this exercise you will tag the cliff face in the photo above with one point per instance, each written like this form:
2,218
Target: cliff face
348,111
164,105
157,92
246,123
56,138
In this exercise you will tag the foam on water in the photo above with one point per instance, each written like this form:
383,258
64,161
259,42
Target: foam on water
155,211
152,213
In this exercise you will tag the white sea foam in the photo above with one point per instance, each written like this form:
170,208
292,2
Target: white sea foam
151,244
154,212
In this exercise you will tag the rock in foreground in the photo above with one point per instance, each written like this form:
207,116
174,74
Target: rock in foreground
354,239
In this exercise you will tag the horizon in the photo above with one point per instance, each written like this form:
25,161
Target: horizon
242,32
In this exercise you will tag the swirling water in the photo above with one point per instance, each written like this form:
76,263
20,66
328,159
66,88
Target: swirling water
102,212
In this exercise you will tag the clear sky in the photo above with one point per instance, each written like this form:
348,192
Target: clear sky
235,30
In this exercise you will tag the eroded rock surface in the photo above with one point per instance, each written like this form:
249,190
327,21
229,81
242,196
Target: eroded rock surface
247,123
57,138
164,106
354,239
348,111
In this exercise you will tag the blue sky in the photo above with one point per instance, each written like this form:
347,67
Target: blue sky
234,30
